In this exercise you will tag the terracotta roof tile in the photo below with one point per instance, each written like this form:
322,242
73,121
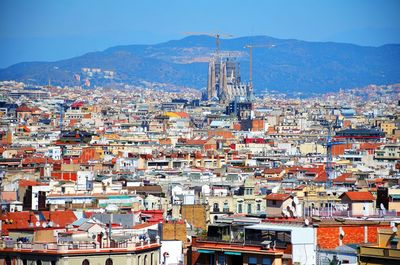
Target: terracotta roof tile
278,196
27,183
61,218
358,196
345,177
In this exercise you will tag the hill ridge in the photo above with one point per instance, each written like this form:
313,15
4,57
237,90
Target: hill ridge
292,66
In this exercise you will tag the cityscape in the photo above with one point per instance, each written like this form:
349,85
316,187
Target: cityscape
212,148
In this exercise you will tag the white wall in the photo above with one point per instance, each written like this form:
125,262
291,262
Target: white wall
303,242
174,249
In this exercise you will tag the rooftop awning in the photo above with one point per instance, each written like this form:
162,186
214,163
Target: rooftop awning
205,251
233,253
395,196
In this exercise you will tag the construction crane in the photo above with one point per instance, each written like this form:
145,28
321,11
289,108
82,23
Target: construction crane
217,37
62,106
330,125
250,47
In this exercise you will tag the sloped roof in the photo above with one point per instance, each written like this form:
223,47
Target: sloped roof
77,104
278,196
345,177
181,115
61,218
359,196
27,183
23,108
18,220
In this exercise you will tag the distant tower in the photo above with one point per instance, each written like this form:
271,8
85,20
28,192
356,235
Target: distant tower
211,86
224,81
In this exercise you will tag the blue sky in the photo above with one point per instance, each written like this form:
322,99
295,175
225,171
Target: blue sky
46,30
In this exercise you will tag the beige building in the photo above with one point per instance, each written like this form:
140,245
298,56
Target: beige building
388,152
250,202
46,249
278,204
387,126
386,252
315,198
311,148
360,203
394,200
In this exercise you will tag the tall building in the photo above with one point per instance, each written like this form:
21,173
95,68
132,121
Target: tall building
224,82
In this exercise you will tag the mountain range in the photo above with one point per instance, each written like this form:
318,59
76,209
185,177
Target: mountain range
290,66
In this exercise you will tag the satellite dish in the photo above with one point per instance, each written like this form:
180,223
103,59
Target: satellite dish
51,224
306,222
285,213
296,200
37,224
112,208
394,229
382,206
44,225
342,233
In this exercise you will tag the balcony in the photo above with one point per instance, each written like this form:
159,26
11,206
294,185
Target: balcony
72,247
225,238
325,212
378,252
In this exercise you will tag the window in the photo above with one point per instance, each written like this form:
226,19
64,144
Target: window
252,261
226,207
248,208
221,259
273,202
249,191
85,262
393,243
266,261
109,261
38,262
240,210
215,207
258,207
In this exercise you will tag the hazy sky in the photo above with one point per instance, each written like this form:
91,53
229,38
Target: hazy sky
57,29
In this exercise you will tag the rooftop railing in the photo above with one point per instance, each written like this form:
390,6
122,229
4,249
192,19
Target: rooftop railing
71,246
347,213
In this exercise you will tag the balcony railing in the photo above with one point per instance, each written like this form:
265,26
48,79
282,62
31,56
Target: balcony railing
379,252
346,213
223,239
70,246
